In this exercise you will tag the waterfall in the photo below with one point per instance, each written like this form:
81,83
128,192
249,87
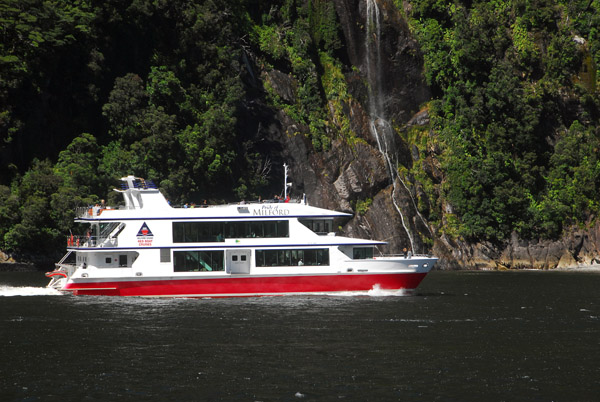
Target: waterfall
380,128
373,56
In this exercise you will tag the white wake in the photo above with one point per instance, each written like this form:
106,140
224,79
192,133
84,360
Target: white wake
28,291
375,292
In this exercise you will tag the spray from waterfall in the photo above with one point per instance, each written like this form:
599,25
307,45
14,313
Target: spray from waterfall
380,128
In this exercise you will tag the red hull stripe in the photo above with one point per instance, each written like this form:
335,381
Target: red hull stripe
249,286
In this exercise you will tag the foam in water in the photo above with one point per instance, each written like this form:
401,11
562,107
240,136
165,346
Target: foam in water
375,292
28,291
378,292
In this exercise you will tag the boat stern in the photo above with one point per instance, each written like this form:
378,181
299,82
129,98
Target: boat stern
63,270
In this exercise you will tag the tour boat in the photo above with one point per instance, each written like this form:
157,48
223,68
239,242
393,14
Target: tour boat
147,247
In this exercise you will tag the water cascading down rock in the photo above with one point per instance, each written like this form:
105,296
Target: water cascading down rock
380,127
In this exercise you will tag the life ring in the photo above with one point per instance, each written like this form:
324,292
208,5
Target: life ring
56,273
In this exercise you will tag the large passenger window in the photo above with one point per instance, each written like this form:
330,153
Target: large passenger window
195,232
197,261
291,257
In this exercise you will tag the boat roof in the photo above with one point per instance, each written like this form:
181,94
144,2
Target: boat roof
143,200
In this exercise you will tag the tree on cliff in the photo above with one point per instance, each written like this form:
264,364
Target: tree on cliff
93,90
514,95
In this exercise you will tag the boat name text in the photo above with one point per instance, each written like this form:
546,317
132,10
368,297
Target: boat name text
274,210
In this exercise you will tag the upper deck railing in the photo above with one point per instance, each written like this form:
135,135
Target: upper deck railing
91,241
93,211
90,212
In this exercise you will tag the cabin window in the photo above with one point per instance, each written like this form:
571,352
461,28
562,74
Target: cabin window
320,226
361,253
196,232
292,257
108,260
122,260
110,229
196,261
165,255
234,258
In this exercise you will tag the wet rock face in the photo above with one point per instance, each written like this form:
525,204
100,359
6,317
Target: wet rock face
358,172
401,64
390,88
282,84
578,248
351,173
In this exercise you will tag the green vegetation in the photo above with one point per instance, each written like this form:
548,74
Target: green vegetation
98,90
91,91
300,37
516,112
362,206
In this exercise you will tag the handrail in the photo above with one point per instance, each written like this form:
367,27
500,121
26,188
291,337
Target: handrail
91,241
64,257
89,212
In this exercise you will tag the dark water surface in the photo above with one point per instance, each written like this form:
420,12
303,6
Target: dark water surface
465,336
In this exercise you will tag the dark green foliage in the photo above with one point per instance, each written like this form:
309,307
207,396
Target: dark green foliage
44,77
161,84
502,70
35,230
573,180
292,37
94,90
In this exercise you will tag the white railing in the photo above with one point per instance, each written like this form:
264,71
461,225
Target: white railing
91,241
89,212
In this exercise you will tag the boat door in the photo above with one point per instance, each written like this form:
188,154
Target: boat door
238,261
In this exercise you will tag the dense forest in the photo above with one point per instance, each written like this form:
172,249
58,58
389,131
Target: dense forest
175,91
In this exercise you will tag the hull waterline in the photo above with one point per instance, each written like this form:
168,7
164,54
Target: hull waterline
249,286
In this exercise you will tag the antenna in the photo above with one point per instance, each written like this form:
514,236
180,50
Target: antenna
285,183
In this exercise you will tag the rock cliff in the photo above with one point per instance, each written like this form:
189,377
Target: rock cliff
355,174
